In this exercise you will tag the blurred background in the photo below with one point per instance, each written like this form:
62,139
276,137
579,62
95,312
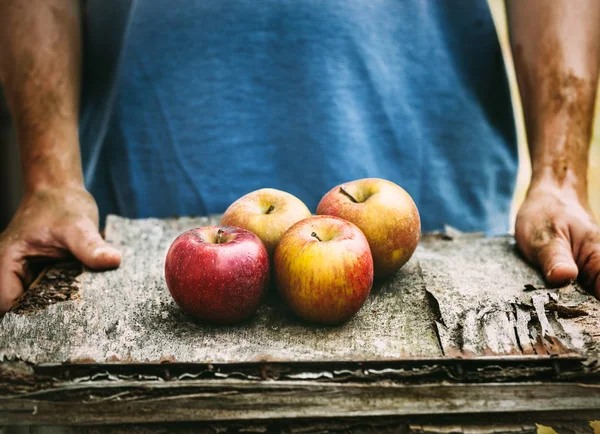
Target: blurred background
10,186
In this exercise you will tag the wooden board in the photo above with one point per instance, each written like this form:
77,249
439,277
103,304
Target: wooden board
107,402
487,301
127,315
441,338
460,296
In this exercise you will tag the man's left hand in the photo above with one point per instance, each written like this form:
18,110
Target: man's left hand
555,229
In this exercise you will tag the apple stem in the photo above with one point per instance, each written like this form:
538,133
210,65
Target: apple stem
314,234
345,193
271,208
219,236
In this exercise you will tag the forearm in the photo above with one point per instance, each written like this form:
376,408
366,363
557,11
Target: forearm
555,47
40,72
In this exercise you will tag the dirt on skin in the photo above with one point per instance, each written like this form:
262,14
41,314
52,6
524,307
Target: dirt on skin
558,107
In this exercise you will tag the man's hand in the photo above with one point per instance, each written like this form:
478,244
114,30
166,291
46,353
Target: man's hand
51,223
40,72
557,59
556,231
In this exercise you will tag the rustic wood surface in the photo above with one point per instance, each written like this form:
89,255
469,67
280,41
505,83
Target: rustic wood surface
209,400
466,311
127,315
487,301
464,297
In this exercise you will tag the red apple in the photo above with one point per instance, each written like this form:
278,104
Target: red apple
266,212
217,274
385,213
324,269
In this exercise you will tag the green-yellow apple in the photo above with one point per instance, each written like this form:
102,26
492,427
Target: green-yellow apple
266,212
324,269
385,213
217,274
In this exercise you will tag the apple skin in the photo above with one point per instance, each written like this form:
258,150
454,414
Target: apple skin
268,213
217,274
385,213
324,281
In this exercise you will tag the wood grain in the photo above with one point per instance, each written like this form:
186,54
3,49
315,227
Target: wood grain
488,301
444,337
127,315
460,296
205,400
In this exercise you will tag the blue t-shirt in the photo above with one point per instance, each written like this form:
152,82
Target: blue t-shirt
217,98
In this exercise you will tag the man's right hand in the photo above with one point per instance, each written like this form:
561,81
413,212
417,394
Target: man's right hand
40,73
51,223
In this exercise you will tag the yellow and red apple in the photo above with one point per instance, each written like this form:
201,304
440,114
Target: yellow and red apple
324,269
267,212
384,212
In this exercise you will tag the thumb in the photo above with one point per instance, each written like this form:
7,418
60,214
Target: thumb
556,260
84,241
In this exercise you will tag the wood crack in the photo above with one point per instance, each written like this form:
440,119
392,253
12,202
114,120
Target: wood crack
513,320
53,285
434,309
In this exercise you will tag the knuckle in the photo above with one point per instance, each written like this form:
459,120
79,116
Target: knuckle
551,254
81,226
539,238
549,251
79,230
544,234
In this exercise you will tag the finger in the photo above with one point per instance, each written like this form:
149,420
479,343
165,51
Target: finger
589,262
556,261
85,242
11,286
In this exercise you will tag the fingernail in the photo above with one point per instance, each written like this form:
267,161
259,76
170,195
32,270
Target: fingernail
105,251
560,264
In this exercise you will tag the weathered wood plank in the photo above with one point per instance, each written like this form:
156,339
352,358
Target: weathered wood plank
20,378
205,400
492,303
458,297
127,315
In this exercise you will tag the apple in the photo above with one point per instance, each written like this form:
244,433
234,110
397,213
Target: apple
324,269
385,213
267,212
217,274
